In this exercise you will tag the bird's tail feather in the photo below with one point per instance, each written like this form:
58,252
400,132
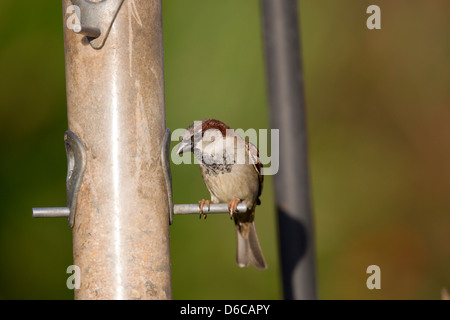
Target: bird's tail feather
248,248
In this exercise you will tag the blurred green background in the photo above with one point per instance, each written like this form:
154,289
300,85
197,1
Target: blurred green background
378,111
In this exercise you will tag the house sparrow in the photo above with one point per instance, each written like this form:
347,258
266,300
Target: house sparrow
232,172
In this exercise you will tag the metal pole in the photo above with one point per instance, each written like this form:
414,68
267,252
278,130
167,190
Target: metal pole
287,111
115,103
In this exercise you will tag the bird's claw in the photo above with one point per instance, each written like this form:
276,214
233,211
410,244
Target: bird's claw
201,204
232,206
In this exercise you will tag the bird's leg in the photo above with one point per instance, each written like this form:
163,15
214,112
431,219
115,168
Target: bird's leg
201,204
232,206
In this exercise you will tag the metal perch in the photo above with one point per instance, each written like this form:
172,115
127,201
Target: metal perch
58,212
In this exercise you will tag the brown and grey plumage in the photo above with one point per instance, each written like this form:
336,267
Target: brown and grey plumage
232,172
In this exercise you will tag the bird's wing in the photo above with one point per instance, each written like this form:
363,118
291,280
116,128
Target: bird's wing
256,161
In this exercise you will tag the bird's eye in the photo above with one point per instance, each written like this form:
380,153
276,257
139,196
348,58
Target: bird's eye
197,136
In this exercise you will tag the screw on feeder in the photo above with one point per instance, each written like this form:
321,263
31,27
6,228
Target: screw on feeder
87,31
96,19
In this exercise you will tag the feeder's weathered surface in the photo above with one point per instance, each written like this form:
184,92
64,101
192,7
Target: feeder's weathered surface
115,102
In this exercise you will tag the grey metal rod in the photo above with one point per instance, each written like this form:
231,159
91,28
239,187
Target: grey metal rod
56,212
214,208
287,111
63,212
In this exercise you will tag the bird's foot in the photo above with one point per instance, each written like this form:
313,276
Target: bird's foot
232,206
201,204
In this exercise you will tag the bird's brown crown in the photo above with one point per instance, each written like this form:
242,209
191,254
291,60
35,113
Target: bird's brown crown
215,124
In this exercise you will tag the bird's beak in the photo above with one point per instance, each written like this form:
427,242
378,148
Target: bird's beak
184,146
